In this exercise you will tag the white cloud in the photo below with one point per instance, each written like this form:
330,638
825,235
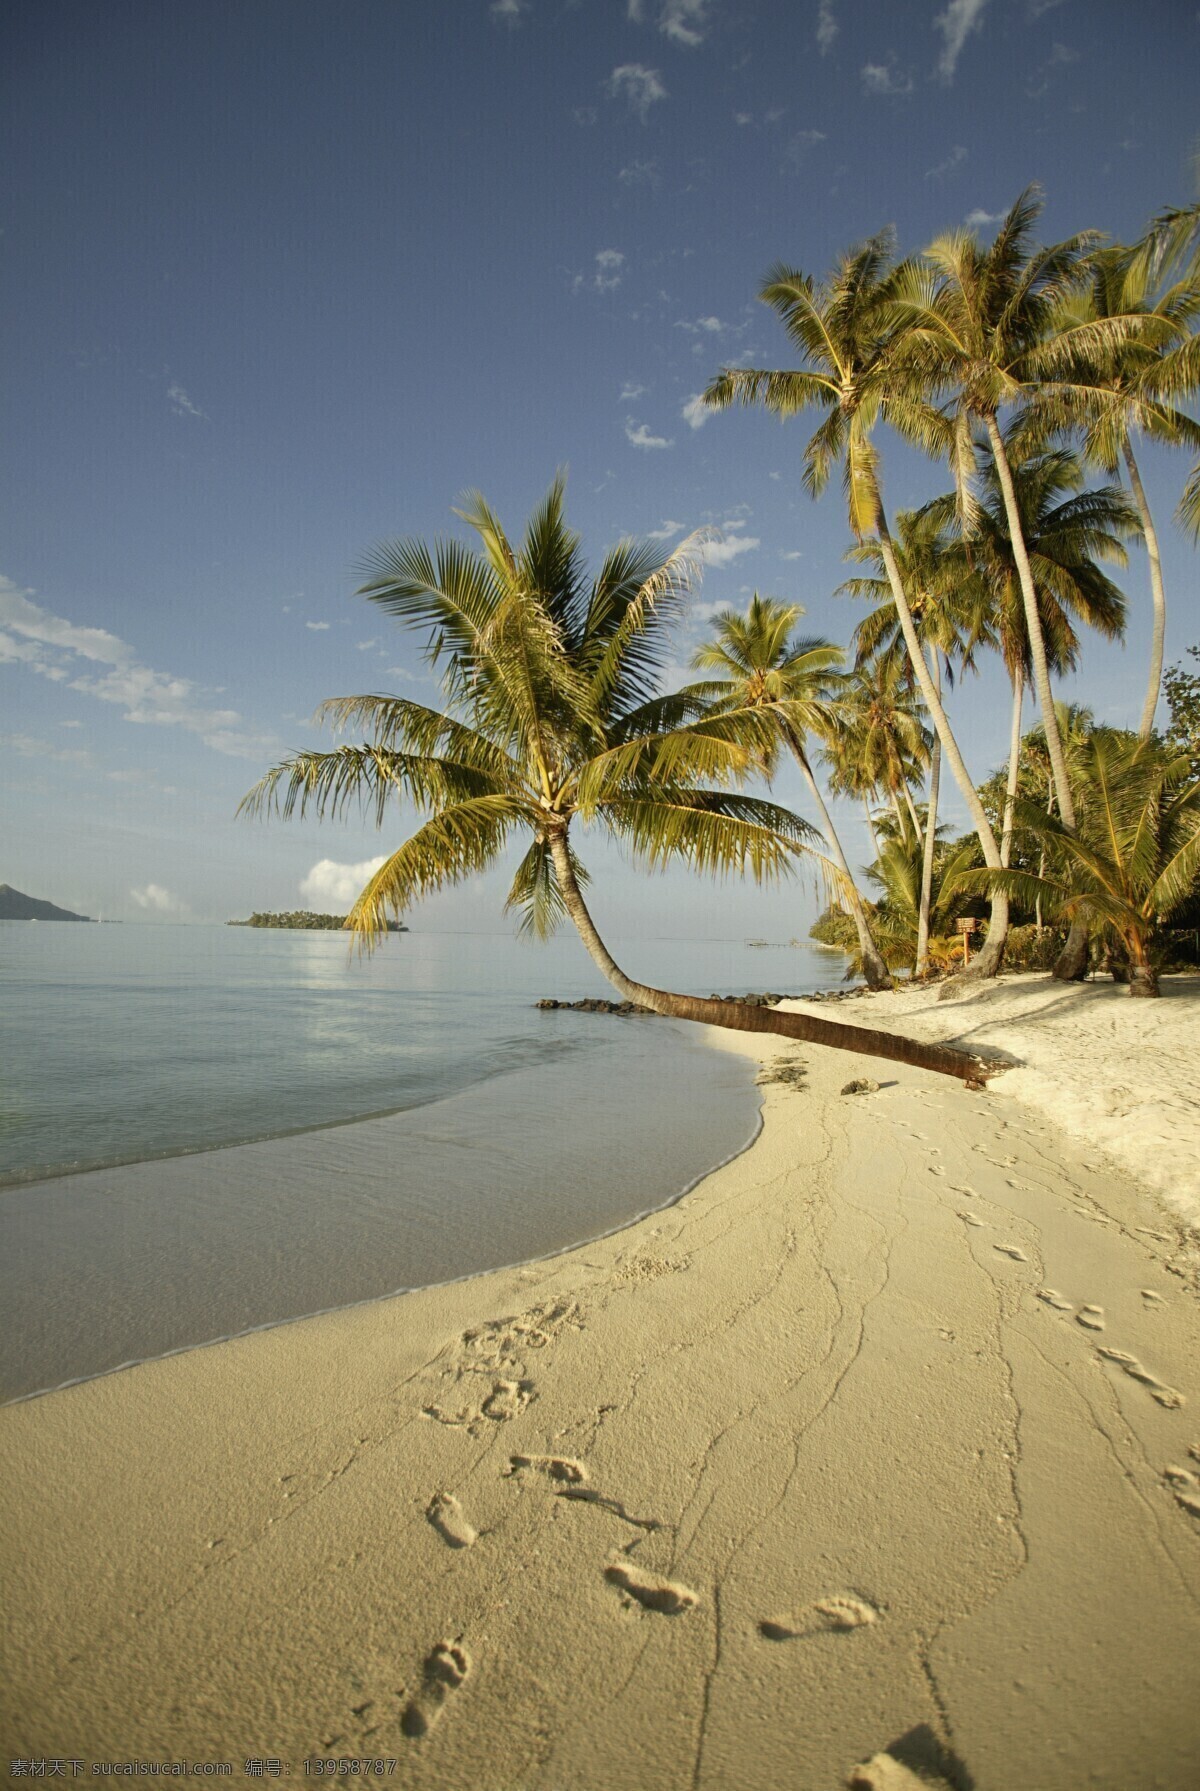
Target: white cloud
1037,7
316,626
365,646
630,391
975,220
52,647
743,118
827,27
27,747
508,12
639,436
158,900
956,24
707,325
793,554
70,724
636,173
335,887
955,159
639,85
886,77
723,553
608,275
695,412
668,530
181,404
683,21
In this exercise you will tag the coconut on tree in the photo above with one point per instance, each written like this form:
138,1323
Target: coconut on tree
552,723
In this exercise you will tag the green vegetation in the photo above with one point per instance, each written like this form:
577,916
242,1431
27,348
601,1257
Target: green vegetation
305,921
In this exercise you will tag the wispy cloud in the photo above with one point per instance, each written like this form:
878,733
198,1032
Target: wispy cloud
54,648
630,391
607,275
182,405
1036,8
26,746
726,551
956,24
798,145
639,174
886,77
792,554
1061,56
508,12
638,436
975,220
316,626
338,885
827,27
955,159
683,21
641,87
695,412
710,325
667,532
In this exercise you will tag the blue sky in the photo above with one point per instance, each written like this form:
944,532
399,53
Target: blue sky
284,279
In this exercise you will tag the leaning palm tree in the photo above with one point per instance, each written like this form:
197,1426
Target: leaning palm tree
1134,855
851,370
758,664
553,722
1120,387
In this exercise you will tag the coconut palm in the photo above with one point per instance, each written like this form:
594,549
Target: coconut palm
1134,856
898,873
950,612
851,370
1118,387
758,663
553,722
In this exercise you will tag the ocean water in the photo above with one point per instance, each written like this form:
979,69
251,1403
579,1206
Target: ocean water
208,1129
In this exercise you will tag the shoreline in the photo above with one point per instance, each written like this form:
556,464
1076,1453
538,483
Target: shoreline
824,1459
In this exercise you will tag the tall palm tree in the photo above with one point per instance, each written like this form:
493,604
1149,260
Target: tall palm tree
553,721
1116,387
851,370
877,722
758,663
951,617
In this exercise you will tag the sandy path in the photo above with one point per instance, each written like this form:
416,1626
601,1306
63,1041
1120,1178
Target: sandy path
527,1531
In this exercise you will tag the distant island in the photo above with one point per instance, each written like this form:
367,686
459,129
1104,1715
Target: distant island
301,920
16,906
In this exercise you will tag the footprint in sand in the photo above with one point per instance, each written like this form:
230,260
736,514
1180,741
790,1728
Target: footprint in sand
1166,1396
1090,1317
446,1515
557,1467
1151,1298
1011,1250
444,1671
970,1219
506,1400
838,1614
936,1169
1186,1487
667,1597
1050,1296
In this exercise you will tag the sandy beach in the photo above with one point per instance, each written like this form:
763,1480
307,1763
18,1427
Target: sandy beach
873,1461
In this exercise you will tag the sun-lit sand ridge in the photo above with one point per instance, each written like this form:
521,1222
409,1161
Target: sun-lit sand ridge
882,1446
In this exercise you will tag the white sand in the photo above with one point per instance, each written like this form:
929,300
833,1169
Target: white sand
875,1460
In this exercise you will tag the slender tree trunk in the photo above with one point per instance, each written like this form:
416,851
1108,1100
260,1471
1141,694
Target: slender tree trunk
1072,962
1014,765
871,824
899,814
991,953
945,1059
874,969
1158,595
912,815
935,771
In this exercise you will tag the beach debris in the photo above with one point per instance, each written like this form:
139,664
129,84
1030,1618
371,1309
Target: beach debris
883,1772
556,1467
1090,1317
840,1612
446,1515
1050,1296
667,1597
861,1085
791,1071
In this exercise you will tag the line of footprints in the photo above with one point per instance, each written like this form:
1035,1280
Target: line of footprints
448,1665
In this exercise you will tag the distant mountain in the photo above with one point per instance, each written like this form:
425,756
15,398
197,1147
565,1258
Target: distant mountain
15,906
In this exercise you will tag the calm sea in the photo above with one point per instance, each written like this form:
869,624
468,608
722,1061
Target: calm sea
208,1129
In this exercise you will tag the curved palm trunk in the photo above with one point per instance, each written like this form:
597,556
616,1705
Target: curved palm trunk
1014,763
991,953
871,824
912,814
945,1059
1072,962
921,967
874,969
1157,593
